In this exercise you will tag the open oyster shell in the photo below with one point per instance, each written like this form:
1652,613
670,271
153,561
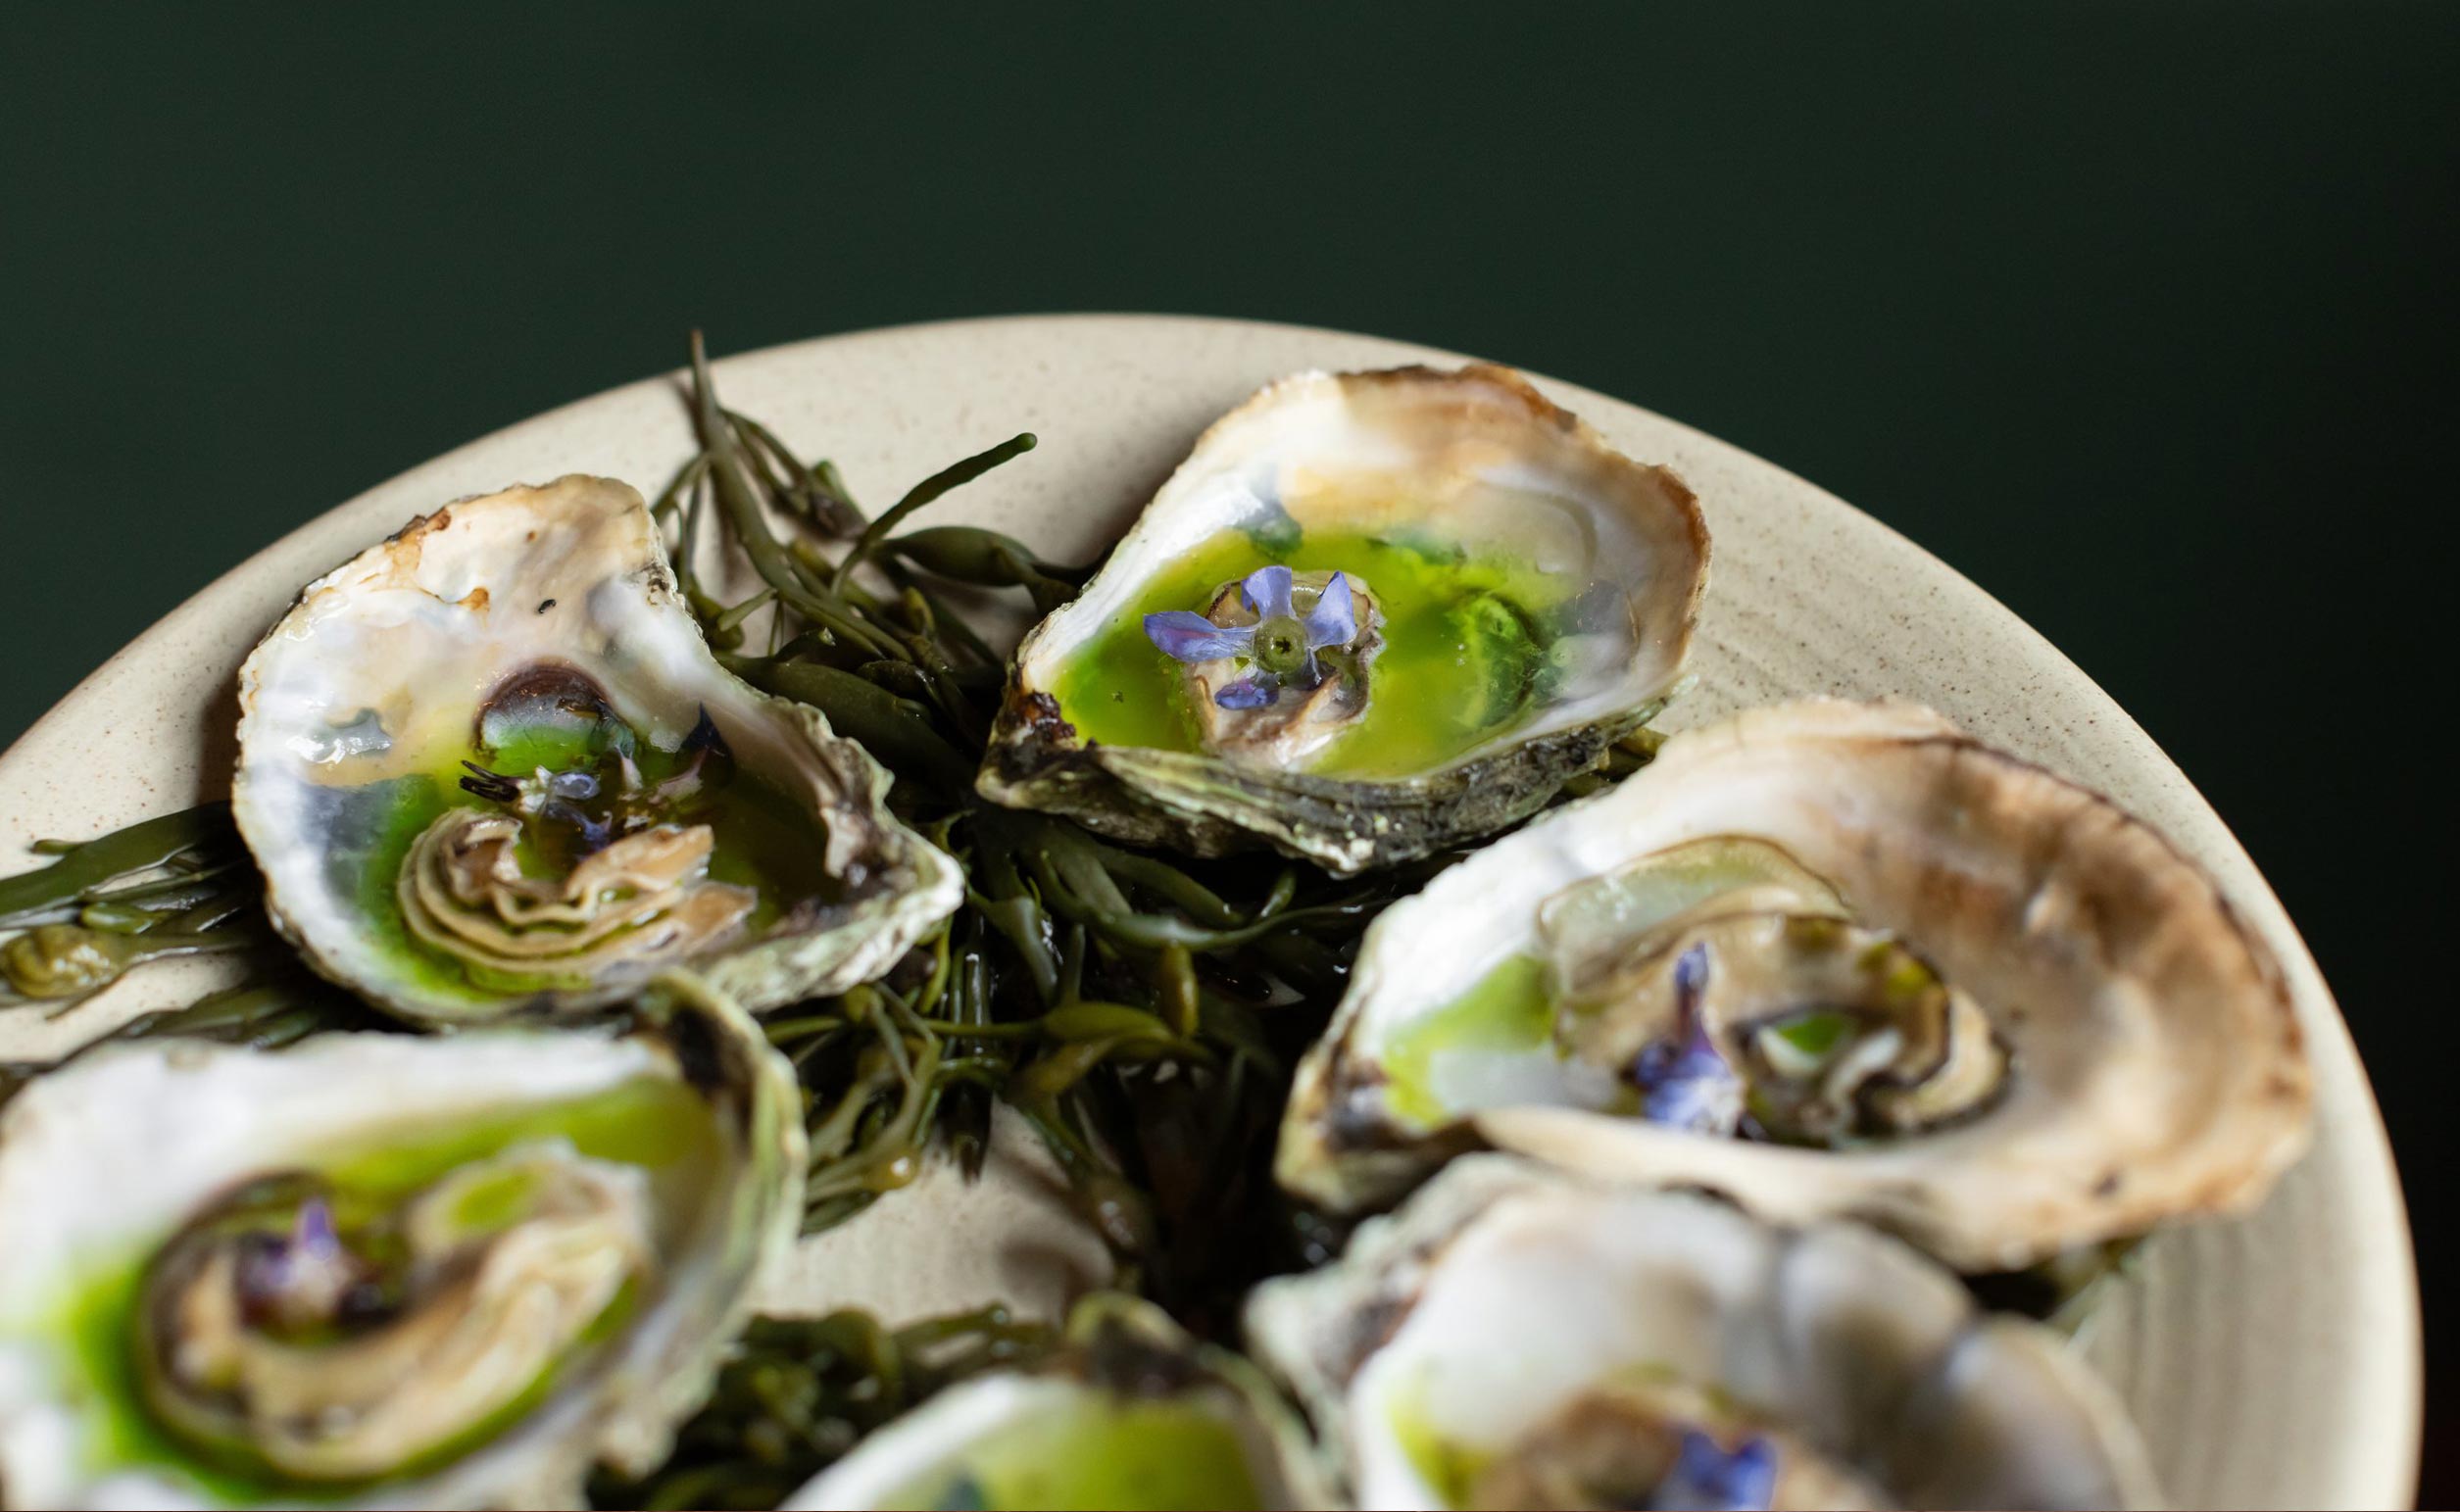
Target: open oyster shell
1131,1413
491,764
1524,597
2125,1049
1516,1336
379,1270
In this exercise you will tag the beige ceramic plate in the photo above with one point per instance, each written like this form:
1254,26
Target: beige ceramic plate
2271,1361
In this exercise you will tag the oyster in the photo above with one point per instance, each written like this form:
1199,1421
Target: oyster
491,764
1830,959
381,1270
1373,615
1132,1413
1515,1336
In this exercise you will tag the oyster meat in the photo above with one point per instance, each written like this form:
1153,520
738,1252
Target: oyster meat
384,1271
1515,1336
1830,959
1371,615
1130,1413
491,764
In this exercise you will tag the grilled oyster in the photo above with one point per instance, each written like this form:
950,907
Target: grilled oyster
381,1270
1519,1338
1132,1413
1373,615
491,764
1831,959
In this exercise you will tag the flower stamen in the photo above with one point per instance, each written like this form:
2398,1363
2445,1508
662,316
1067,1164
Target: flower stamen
1282,644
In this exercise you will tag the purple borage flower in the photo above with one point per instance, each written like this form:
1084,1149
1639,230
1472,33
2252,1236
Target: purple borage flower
1686,1083
298,1277
1705,1476
1279,645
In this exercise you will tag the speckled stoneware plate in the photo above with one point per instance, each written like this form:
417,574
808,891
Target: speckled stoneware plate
2272,1361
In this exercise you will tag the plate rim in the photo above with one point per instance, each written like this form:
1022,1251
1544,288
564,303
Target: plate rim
2396,1469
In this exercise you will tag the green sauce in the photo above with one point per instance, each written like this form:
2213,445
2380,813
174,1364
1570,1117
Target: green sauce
1509,1013
655,1122
1451,1468
1467,650
1448,1466
1817,1034
1097,1452
763,841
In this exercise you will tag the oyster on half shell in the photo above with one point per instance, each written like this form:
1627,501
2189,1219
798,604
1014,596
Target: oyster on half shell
491,764
381,1270
1131,1412
1514,1337
1371,615
1830,959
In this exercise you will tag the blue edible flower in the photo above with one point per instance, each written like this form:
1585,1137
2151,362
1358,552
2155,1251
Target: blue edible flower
1708,1479
1281,644
1685,1083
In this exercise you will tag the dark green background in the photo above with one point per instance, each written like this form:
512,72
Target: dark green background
2140,314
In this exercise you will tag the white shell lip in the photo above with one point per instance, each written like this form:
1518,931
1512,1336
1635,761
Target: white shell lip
1502,1289
1610,522
118,1148
420,626
2159,1070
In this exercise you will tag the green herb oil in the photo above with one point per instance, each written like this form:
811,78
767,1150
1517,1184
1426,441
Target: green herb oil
654,1122
1465,659
1100,1453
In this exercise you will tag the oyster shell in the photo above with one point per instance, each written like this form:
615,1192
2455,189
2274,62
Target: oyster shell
1523,597
2020,1021
1516,1336
490,763
1132,1413
379,1270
